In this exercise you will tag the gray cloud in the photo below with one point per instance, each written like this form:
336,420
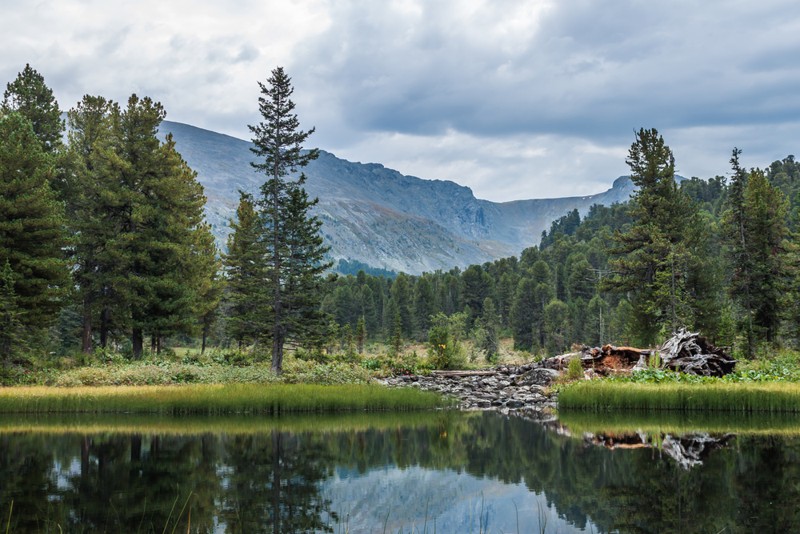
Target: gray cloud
514,98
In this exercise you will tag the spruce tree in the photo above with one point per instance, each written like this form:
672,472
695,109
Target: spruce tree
245,271
765,213
293,250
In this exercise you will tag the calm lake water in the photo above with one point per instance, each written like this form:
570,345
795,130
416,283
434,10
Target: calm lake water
442,472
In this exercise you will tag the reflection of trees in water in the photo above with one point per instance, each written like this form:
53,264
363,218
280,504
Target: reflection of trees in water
270,482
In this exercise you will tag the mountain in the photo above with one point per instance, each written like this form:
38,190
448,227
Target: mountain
378,216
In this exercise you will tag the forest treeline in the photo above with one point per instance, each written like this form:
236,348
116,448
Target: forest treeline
103,246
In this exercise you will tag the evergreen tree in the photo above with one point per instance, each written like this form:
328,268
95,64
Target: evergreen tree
31,224
245,272
93,208
293,250
207,274
401,294
765,210
486,332
653,256
154,213
9,315
423,306
361,334
29,96
523,314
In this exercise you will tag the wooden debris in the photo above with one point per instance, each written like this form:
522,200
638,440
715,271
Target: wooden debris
689,352
685,351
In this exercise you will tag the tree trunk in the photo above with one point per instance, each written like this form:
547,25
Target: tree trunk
105,320
277,350
86,337
137,342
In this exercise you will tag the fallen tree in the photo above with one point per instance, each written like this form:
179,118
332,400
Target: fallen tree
686,352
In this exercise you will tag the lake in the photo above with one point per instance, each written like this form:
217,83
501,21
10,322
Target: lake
438,472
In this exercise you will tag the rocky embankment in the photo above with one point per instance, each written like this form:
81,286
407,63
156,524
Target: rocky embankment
506,388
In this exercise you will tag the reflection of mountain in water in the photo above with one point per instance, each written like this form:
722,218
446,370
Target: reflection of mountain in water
449,500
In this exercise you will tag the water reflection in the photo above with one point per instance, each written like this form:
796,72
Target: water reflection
446,472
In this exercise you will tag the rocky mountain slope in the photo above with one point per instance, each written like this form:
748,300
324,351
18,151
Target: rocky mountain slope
378,216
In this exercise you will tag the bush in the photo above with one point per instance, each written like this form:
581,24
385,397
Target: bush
575,369
444,349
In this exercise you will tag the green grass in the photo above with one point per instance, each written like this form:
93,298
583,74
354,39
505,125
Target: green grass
720,396
222,424
271,399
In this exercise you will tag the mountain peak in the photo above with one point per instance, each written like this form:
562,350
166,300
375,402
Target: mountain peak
378,216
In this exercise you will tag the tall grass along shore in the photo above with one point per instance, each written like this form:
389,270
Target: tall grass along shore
215,399
739,397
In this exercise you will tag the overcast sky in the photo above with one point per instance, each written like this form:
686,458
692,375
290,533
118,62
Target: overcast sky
515,99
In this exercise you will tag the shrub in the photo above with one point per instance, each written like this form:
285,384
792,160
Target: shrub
575,369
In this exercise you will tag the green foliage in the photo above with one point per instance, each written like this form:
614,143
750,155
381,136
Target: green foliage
653,258
30,97
292,252
574,369
31,225
444,341
10,327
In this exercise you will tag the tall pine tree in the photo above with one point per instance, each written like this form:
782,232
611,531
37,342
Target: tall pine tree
293,250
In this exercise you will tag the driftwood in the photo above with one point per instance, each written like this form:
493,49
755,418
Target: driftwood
689,352
685,351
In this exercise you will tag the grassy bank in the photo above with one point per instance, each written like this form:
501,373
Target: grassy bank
737,397
214,399
165,425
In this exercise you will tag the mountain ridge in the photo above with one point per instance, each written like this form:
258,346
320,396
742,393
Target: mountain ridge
379,216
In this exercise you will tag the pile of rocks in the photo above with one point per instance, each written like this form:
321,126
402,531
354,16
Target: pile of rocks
506,388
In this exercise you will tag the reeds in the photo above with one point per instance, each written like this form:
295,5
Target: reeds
224,424
271,399
740,397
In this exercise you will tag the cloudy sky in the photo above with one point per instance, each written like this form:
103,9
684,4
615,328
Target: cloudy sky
513,98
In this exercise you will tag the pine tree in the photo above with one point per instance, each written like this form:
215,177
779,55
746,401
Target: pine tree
92,208
31,224
29,96
151,207
293,251
652,261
